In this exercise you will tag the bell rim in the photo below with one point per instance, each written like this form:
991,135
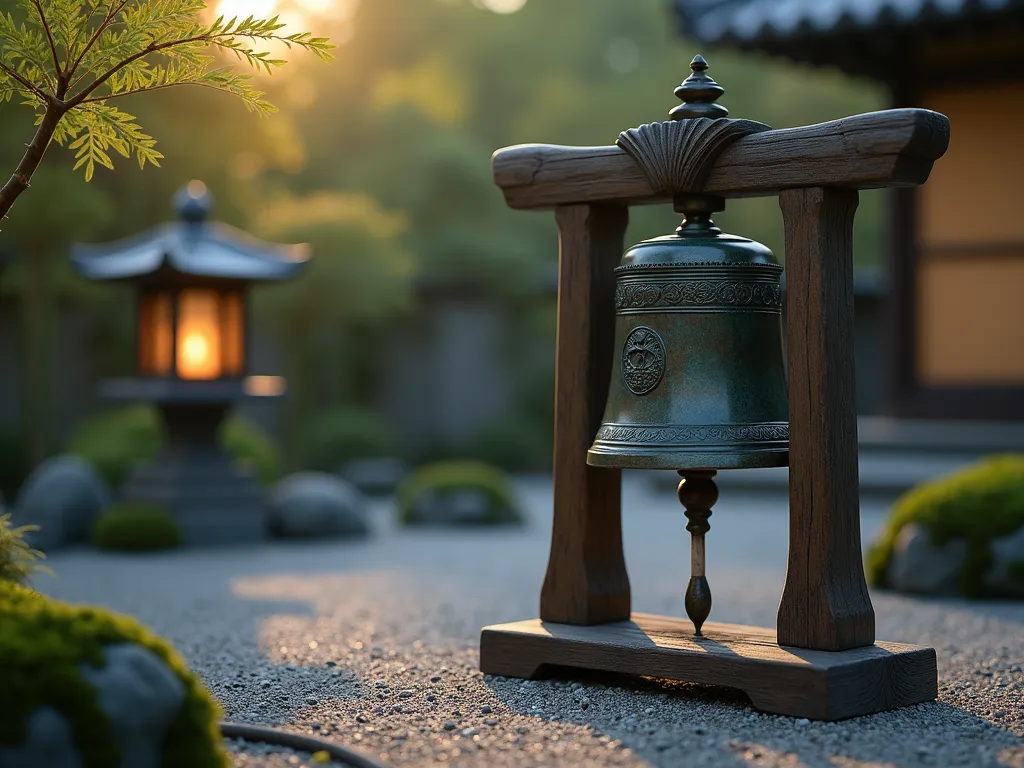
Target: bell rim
622,457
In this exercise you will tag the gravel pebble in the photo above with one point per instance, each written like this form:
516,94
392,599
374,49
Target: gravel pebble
263,625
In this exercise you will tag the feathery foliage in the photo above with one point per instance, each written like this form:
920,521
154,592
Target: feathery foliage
70,59
18,560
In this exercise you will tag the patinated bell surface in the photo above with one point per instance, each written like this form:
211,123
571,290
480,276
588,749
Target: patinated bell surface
698,375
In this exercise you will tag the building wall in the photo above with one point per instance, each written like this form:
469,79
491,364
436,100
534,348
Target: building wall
970,235
445,375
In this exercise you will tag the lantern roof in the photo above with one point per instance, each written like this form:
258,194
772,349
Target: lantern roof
192,247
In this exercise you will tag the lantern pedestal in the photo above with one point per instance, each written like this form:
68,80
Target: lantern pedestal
214,500
820,685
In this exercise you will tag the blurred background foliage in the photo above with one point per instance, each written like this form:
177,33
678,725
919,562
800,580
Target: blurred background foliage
380,159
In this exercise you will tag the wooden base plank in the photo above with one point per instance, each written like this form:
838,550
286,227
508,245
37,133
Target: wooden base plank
819,685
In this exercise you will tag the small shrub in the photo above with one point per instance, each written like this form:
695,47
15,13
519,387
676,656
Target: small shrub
343,435
136,528
517,445
18,560
114,441
250,445
979,503
43,644
444,478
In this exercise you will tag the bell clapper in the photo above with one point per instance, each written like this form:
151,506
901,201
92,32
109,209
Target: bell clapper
697,493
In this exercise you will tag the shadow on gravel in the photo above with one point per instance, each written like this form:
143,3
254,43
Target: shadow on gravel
642,730
720,725
934,733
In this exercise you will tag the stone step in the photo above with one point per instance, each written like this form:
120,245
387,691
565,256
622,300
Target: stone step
974,438
895,455
882,474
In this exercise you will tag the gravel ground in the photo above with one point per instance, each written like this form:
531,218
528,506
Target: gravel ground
374,645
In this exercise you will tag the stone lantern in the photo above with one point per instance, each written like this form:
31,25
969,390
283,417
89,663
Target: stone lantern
192,280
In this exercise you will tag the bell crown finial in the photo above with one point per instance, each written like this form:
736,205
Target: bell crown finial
698,93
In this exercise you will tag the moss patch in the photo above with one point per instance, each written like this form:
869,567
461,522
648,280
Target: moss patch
342,435
979,503
42,644
114,441
449,476
136,528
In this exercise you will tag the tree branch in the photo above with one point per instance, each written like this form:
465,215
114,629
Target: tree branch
146,89
149,49
111,14
24,81
57,68
30,161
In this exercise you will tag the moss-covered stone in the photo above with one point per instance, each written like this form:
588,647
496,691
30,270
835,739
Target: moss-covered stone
43,646
977,504
136,528
431,492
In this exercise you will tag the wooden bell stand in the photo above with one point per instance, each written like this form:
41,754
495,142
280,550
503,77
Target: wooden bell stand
823,662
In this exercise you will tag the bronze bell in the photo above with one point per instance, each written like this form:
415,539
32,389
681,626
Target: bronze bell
699,379
698,374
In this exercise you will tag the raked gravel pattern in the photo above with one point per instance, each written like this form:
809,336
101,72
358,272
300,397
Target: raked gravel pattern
374,644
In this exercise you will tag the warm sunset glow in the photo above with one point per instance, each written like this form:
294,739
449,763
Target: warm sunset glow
502,6
296,14
319,6
261,9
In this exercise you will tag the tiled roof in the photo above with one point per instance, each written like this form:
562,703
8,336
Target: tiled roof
749,21
191,246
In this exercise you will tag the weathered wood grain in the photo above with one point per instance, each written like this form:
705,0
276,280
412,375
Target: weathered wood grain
825,604
790,681
880,149
586,581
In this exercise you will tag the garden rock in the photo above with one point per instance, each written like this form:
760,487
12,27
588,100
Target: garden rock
316,504
921,567
142,696
63,496
50,742
463,506
1006,576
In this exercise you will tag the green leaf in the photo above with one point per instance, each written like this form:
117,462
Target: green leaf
108,49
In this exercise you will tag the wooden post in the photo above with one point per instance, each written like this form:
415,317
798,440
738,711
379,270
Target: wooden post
825,604
586,581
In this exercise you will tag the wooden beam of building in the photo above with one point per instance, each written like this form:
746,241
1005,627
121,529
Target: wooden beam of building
894,148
